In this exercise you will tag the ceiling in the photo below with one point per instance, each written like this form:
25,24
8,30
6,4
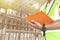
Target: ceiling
22,5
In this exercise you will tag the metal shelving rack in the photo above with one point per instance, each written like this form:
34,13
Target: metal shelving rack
14,26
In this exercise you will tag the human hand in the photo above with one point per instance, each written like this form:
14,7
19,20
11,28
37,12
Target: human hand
35,24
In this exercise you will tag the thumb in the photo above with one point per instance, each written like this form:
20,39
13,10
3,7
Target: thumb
35,22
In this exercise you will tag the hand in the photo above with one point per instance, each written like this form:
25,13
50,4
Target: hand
35,24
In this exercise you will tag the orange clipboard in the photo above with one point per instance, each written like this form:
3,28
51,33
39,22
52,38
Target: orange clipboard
40,17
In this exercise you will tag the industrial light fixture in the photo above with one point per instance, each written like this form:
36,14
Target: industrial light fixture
8,1
36,5
2,10
11,12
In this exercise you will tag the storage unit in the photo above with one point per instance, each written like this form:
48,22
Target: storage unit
13,25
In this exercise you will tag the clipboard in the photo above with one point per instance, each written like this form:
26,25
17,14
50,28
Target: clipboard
40,17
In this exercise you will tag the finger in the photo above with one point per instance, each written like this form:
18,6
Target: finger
36,23
31,24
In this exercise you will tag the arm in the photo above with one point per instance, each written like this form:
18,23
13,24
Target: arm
54,25
51,26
